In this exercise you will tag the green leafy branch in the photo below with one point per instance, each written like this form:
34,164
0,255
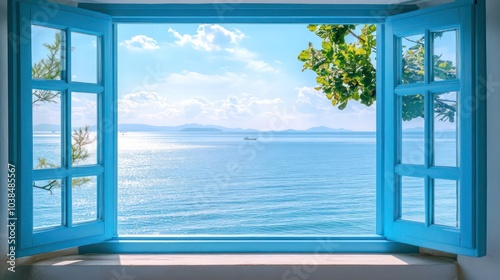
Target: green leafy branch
344,70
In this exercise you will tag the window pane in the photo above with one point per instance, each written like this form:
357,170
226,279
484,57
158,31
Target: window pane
445,129
84,59
445,55
413,59
412,129
84,128
47,203
84,199
47,50
46,129
445,203
413,199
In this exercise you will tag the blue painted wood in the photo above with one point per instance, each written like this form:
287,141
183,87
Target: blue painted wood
248,13
247,246
68,19
437,87
23,117
482,92
48,238
380,130
387,182
434,172
390,181
463,240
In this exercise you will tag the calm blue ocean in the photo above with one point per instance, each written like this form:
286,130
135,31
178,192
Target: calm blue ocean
217,183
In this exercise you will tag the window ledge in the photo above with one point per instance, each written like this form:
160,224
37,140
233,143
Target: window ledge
242,266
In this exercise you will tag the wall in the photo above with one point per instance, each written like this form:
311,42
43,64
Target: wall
488,267
482,269
3,134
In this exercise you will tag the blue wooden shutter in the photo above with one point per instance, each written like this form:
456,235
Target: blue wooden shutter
434,162
70,228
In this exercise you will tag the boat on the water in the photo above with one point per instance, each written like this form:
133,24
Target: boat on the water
250,138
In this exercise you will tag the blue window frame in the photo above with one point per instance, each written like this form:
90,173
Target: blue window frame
445,185
395,227
62,220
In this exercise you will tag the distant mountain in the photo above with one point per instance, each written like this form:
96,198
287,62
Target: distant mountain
47,127
55,127
416,129
326,129
319,129
200,129
184,127
193,127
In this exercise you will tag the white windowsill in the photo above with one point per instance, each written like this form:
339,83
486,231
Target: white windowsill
242,266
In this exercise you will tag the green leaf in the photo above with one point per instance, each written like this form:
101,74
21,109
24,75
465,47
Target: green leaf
312,27
360,51
327,46
321,80
342,106
304,56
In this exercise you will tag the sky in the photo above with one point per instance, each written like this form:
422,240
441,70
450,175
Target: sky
233,75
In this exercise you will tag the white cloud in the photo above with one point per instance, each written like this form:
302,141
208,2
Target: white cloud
209,37
152,108
250,59
141,42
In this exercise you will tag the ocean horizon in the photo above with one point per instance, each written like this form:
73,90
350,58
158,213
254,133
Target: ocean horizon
218,183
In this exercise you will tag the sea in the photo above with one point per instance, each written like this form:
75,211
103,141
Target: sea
218,183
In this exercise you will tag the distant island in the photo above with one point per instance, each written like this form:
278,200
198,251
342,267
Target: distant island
193,127
201,129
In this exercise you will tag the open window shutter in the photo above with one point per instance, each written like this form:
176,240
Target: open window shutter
64,137
433,170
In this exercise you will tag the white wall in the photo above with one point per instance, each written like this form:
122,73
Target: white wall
3,134
482,269
488,267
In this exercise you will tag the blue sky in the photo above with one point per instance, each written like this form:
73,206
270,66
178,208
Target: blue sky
234,75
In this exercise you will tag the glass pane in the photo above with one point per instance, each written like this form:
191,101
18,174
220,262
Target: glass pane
412,129
445,55
46,129
84,128
84,199
413,199
446,203
445,129
413,59
47,51
84,57
47,203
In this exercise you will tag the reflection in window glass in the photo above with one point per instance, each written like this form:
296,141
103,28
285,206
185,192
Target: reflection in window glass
413,59
47,203
84,199
445,203
84,128
413,199
47,51
412,129
46,129
445,55
446,126
84,60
